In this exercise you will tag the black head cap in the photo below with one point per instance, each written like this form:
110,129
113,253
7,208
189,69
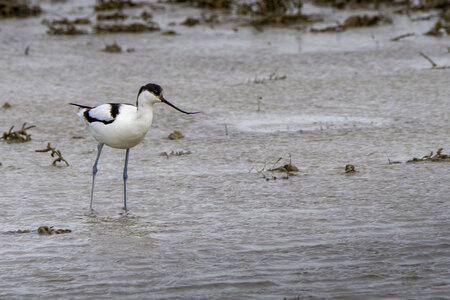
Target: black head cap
152,88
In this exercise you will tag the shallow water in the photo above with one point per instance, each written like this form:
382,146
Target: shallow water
208,224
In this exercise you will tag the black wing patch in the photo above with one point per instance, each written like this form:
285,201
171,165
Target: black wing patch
91,119
113,111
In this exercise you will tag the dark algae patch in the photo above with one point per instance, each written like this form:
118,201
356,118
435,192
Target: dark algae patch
42,230
19,136
355,22
176,135
54,153
350,168
18,9
45,230
126,28
115,4
438,157
112,48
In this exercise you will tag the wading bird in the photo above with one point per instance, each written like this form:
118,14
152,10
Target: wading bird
122,126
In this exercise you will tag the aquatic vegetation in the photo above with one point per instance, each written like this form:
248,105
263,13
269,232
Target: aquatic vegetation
115,4
16,8
175,153
350,168
438,157
169,32
54,153
42,230
190,21
115,16
355,22
112,48
6,105
176,135
45,230
397,38
129,28
64,29
287,169
208,4
19,136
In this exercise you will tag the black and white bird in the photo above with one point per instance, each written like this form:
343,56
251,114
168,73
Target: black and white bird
122,126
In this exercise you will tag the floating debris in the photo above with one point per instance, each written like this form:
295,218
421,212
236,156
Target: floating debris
176,135
109,17
433,158
53,153
113,48
20,9
64,29
6,105
175,153
350,168
45,230
146,16
169,32
288,170
190,22
130,28
20,136
208,4
115,4
355,22
397,38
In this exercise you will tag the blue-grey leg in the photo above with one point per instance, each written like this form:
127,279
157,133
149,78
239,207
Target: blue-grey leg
125,177
94,170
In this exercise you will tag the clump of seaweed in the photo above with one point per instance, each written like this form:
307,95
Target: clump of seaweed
54,153
63,29
190,22
129,28
208,4
287,170
16,8
433,158
19,136
115,4
355,22
112,48
350,168
109,17
176,135
175,153
45,230
6,105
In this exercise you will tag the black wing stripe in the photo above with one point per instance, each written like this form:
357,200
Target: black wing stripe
91,119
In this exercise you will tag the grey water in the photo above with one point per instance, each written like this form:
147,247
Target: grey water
215,223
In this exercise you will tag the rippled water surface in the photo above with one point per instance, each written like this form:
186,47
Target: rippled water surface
215,223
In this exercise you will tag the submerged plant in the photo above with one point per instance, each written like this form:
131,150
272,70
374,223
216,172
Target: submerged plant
430,157
53,153
19,136
287,170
